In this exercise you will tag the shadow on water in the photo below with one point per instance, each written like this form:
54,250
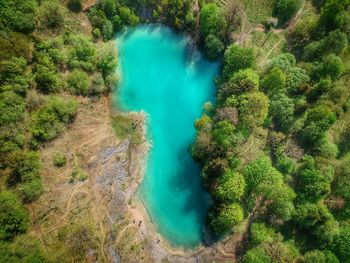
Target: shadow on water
189,181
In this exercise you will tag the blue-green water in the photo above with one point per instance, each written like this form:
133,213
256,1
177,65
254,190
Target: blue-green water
163,77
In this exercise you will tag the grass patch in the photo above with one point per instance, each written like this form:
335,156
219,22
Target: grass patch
126,127
258,11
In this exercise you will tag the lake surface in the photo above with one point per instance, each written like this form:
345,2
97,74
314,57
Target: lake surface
163,77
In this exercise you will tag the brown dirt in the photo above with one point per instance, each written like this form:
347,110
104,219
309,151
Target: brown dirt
77,203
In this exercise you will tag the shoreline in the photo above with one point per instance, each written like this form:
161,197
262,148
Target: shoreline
139,205
138,158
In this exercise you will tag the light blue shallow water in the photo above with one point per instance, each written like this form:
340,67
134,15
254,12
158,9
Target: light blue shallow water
161,76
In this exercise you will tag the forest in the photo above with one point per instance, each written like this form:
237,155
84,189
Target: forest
274,150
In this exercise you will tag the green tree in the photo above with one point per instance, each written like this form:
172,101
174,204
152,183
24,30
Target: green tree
237,58
75,5
18,15
13,216
333,14
311,184
284,10
228,216
49,121
314,256
230,187
127,16
319,119
261,233
331,67
254,108
282,111
82,53
327,232
79,82
341,246
264,180
223,134
24,249
213,47
274,81
51,15
245,80
47,79
109,7
212,21
257,255
309,214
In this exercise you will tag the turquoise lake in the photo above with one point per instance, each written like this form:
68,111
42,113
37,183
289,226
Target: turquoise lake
161,75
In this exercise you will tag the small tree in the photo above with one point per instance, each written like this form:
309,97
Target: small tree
237,58
230,188
75,5
13,216
212,21
79,82
227,217
284,10
213,47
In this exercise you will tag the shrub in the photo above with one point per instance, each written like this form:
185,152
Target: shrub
51,15
237,58
227,217
59,159
230,187
284,10
213,47
245,80
78,82
23,249
212,21
18,15
13,216
47,80
75,5
260,233
254,109
127,16
49,121
256,255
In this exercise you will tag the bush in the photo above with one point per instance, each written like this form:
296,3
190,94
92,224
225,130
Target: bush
59,159
213,47
256,255
13,217
51,15
18,15
78,82
47,80
212,21
24,249
253,109
227,217
260,233
284,10
49,121
75,5
82,53
230,187
14,45
237,58
127,16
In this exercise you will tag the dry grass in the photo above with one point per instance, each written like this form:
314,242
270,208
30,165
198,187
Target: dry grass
67,204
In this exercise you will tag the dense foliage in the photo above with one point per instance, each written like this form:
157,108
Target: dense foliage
292,185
